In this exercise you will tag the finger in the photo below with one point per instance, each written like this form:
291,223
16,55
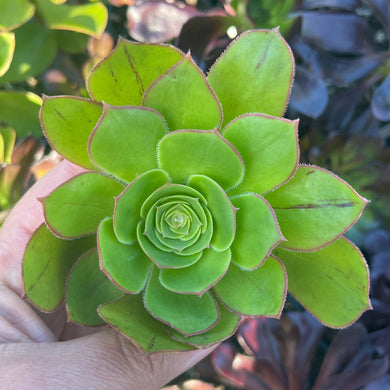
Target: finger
101,361
23,220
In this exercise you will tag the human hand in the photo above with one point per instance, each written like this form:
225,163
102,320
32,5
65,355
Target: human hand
45,351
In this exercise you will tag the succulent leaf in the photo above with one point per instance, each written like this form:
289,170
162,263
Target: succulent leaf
197,278
266,144
123,77
257,231
126,265
47,262
225,327
315,208
260,292
76,207
87,288
128,204
137,132
181,94
67,123
254,74
190,152
222,211
189,314
128,315
332,282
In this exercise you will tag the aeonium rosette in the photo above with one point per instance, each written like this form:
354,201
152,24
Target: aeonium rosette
193,211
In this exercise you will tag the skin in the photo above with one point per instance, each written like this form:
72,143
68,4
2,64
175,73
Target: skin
44,351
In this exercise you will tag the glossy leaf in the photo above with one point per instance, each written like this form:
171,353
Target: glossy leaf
7,47
35,49
186,153
133,133
260,292
67,122
315,208
189,314
332,283
128,204
226,326
269,149
257,231
254,74
222,211
76,207
20,110
46,264
90,19
127,266
123,77
197,278
87,288
14,13
184,98
129,317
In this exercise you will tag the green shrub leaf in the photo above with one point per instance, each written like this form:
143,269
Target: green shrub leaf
7,47
129,317
260,292
254,74
123,77
133,132
269,148
14,13
184,98
87,288
46,264
331,283
126,265
190,152
76,207
315,208
67,122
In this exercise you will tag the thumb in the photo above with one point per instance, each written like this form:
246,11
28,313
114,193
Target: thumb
103,360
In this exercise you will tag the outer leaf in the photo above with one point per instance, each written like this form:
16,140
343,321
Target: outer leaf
7,47
35,50
129,316
315,208
189,314
184,98
332,283
226,326
123,77
67,122
133,133
254,74
14,13
269,148
125,265
222,211
128,204
197,278
87,288
257,231
20,110
76,207
190,152
46,264
261,292
90,19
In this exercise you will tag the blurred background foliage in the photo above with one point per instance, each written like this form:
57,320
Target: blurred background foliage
341,95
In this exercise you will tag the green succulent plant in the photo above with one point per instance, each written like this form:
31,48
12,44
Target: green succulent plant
194,211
